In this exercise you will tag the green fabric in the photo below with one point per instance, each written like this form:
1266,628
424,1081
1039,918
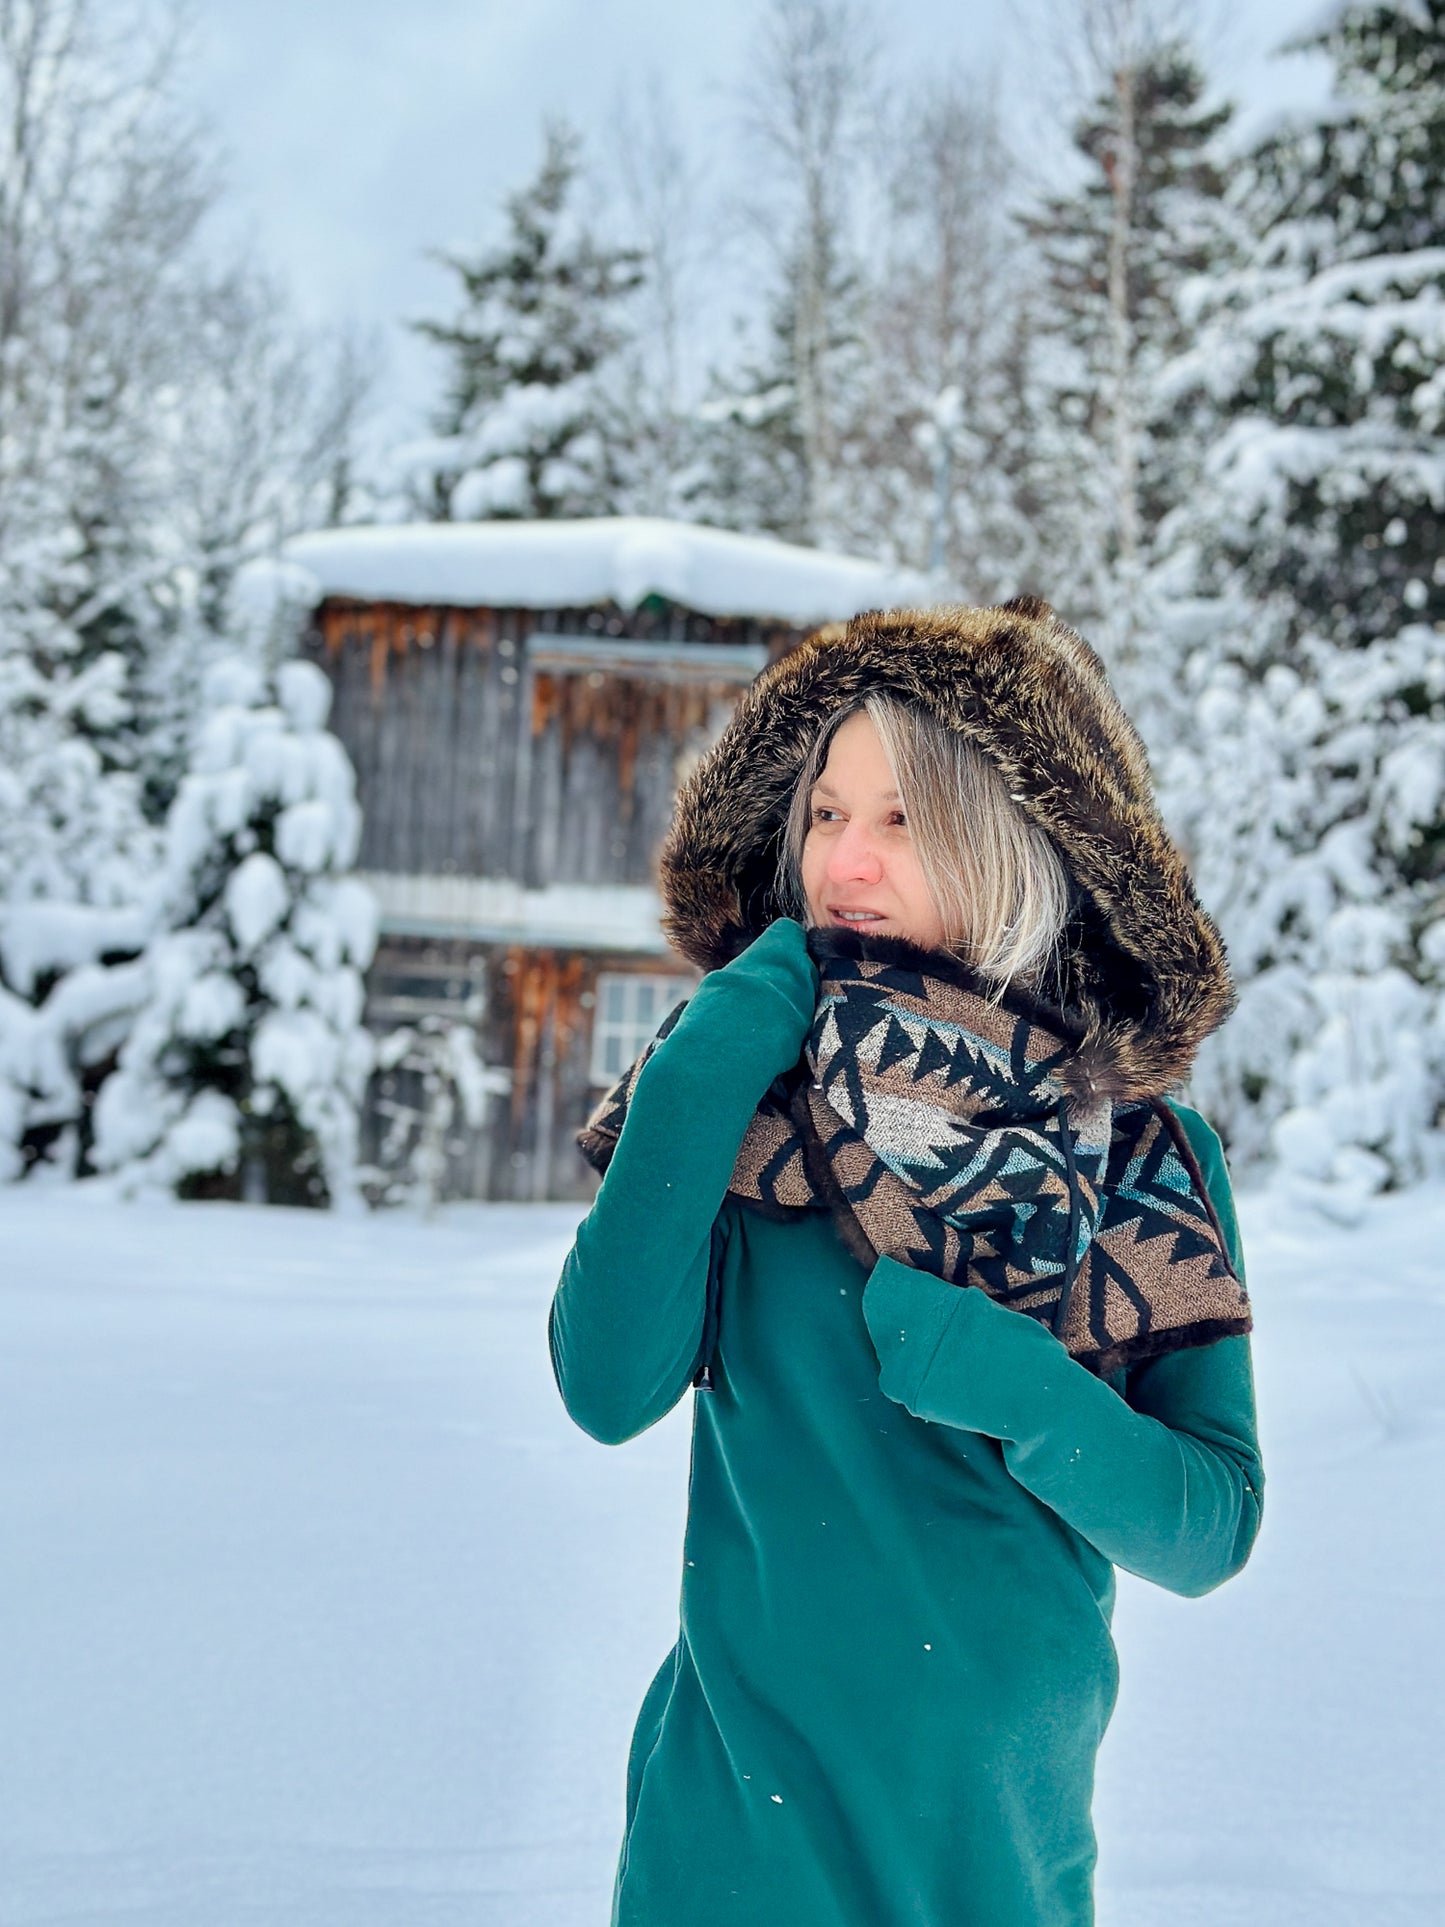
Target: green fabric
894,1664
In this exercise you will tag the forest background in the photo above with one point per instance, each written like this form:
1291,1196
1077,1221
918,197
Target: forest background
1179,371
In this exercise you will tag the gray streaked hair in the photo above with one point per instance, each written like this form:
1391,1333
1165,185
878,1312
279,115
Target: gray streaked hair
998,880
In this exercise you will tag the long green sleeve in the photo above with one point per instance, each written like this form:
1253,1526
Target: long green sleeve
627,1318
1162,1476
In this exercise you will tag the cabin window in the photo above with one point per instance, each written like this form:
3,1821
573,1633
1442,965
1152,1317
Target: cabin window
628,1010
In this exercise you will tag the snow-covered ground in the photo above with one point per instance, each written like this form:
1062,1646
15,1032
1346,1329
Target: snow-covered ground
315,1608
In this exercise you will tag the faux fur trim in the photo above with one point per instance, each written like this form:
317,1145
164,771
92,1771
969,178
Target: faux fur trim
1146,976
597,1147
1149,1345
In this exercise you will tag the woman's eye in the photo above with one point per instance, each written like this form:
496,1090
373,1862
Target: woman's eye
821,811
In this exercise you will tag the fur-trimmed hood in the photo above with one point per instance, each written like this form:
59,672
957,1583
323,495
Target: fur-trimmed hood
1145,967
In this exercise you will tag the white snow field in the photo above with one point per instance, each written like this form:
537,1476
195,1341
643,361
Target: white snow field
316,1609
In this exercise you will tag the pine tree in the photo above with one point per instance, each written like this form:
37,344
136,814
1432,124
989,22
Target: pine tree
756,472
1116,451
1325,350
1312,786
75,853
528,427
244,1069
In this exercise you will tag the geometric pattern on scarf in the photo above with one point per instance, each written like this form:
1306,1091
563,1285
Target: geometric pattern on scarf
934,1122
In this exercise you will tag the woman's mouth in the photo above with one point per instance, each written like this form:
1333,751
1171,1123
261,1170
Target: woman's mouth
855,919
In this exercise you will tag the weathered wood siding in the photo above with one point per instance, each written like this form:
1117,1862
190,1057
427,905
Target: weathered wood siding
537,1022
469,759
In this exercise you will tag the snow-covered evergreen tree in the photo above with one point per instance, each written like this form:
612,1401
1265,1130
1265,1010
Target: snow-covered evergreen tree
756,473
1112,455
160,420
529,426
1312,781
244,1069
75,857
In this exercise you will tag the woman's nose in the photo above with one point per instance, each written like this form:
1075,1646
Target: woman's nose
853,857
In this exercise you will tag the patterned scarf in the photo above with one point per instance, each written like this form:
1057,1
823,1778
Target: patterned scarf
938,1128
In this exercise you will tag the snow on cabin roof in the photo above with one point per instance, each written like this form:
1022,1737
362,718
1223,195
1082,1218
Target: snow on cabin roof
621,559
588,916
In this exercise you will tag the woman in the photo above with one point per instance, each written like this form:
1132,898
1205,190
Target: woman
900,1193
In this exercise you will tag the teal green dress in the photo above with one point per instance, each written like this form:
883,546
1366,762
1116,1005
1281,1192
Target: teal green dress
894,1665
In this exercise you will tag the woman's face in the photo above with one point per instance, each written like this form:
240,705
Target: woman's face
859,867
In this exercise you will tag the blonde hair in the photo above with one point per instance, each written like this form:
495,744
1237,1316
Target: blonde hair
998,880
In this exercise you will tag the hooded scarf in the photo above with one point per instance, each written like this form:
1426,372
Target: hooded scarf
998,1141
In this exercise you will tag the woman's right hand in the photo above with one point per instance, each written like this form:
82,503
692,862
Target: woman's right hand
761,1005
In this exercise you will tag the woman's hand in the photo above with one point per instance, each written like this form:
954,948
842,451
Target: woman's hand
759,1007
767,995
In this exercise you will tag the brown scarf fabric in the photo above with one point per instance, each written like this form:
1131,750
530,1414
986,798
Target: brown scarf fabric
935,1124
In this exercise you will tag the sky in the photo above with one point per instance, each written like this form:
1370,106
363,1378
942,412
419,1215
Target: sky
359,135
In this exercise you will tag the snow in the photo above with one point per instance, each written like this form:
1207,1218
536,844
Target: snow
1333,13
257,898
318,1609
533,412
211,1007
83,1019
41,937
303,835
263,606
574,564
304,693
207,1137
77,866
594,915
313,1059
1318,773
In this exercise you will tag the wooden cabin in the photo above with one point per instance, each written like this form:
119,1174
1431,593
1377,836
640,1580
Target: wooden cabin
520,702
